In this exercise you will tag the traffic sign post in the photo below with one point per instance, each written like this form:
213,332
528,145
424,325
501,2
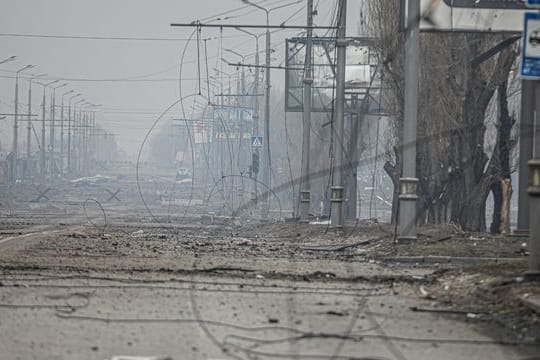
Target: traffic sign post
533,3
530,69
530,62
256,141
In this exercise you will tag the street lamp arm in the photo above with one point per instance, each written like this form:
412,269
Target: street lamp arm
248,2
9,59
285,5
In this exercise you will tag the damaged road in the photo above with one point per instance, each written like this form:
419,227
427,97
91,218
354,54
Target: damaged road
111,280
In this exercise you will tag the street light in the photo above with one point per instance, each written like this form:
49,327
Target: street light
256,154
9,59
53,121
42,159
243,82
69,131
62,130
75,132
86,138
29,126
229,76
16,124
266,133
236,53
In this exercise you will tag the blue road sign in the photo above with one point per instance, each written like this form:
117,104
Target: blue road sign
530,64
256,141
532,3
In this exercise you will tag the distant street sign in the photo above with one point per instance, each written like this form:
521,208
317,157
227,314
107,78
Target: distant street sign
496,16
530,64
487,4
533,3
257,141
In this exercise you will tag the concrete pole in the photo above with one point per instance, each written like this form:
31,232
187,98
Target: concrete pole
337,178
534,193
52,129
256,117
266,132
15,150
526,128
357,113
69,137
15,130
305,186
84,160
51,133
77,138
42,161
71,119
408,181
29,132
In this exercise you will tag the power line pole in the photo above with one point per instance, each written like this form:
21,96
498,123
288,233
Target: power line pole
29,132
15,149
305,186
534,193
408,182
255,160
42,148
337,178
526,128
52,129
266,132
356,115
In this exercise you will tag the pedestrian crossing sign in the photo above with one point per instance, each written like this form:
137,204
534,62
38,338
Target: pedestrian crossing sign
256,141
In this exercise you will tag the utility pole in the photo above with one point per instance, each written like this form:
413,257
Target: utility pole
255,160
52,129
29,129
266,133
266,168
408,183
62,131
42,158
356,116
29,132
42,147
305,186
16,125
534,194
337,178
526,128
70,121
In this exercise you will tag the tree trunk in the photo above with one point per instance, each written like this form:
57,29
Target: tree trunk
505,206
496,190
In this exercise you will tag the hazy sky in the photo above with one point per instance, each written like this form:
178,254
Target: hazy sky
133,80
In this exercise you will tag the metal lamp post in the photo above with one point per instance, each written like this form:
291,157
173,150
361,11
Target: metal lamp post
243,79
42,159
29,127
14,151
9,59
62,130
256,152
266,134
229,76
70,120
75,135
53,125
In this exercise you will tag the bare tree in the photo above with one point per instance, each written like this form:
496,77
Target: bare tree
455,173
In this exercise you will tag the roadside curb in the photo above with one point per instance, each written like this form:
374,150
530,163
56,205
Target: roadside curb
450,260
532,303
